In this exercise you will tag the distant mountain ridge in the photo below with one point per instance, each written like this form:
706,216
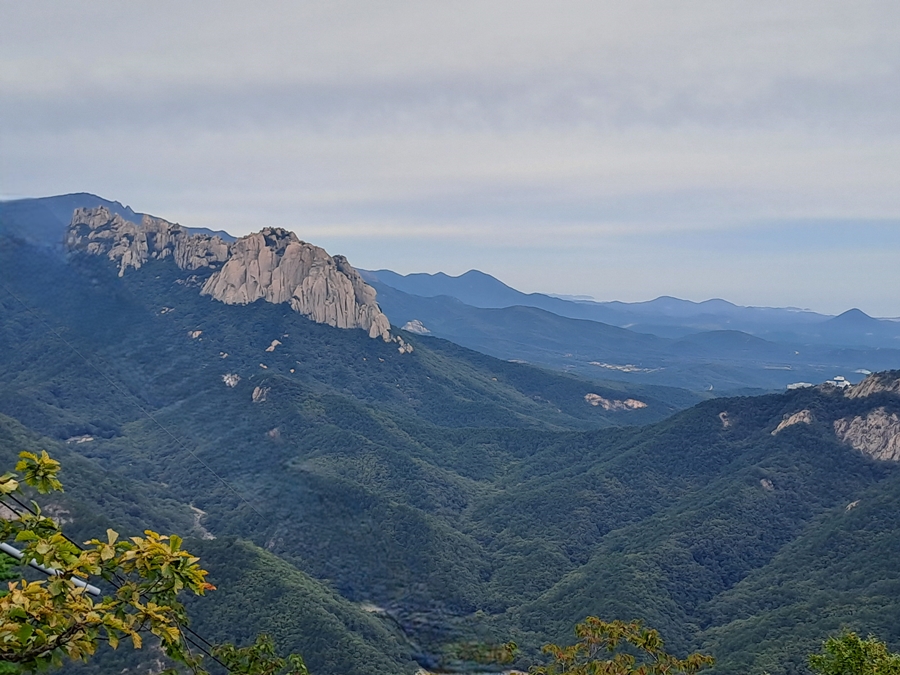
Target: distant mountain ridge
712,360
665,316
479,289
676,343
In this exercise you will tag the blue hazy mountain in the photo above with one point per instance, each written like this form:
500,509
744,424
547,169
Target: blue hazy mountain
721,360
462,497
43,221
664,316
706,345
473,288
478,289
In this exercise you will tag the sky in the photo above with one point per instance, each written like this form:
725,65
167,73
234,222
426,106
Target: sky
622,150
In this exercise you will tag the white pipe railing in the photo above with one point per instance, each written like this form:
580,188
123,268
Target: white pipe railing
18,555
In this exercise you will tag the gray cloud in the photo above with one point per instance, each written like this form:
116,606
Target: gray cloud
518,128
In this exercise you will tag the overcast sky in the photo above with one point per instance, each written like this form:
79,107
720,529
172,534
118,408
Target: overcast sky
622,150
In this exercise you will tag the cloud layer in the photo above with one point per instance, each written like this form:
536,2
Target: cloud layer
605,148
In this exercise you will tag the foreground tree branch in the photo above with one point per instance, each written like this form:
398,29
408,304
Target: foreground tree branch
52,620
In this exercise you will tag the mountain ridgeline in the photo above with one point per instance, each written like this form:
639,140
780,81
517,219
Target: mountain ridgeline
712,345
373,506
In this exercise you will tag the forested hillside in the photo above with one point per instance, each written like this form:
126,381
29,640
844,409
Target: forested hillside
373,508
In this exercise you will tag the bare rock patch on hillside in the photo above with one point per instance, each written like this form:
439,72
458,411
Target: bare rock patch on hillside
877,434
801,417
613,404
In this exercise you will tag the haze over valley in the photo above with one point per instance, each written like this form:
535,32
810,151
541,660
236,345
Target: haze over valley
422,478
419,338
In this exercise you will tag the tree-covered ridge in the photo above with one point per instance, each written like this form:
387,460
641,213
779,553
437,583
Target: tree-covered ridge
255,591
468,499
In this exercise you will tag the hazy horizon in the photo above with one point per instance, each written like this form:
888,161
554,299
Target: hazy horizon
621,151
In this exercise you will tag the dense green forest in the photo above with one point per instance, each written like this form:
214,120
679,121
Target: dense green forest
374,509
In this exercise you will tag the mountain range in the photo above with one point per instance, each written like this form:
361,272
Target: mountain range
703,346
664,316
666,341
375,504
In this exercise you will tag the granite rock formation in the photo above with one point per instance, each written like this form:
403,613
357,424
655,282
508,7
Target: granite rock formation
417,327
100,232
272,265
802,417
877,434
875,384
612,404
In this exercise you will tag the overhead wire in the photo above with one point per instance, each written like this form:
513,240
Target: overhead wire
193,635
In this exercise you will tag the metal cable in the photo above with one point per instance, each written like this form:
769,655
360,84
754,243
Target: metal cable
182,628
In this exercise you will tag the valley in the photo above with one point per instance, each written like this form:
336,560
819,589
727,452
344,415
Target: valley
469,497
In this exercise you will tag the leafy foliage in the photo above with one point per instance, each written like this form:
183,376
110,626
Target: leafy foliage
470,500
848,654
601,649
47,621
259,659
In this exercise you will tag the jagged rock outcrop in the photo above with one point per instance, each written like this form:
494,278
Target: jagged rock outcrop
417,327
875,384
877,434
614,404
272,265
231,379
802,417
405,347
99,232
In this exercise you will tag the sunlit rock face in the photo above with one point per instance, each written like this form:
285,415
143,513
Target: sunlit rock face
99,232
877,434
876,383
611,404
272,265
802,417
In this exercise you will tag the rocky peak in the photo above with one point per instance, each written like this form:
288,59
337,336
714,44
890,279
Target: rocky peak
276,266
875,383
272,265
877,434
99,232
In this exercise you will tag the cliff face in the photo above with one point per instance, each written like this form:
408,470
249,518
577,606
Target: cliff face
877,434
273,265
99,232
876,383
802,417
276,266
